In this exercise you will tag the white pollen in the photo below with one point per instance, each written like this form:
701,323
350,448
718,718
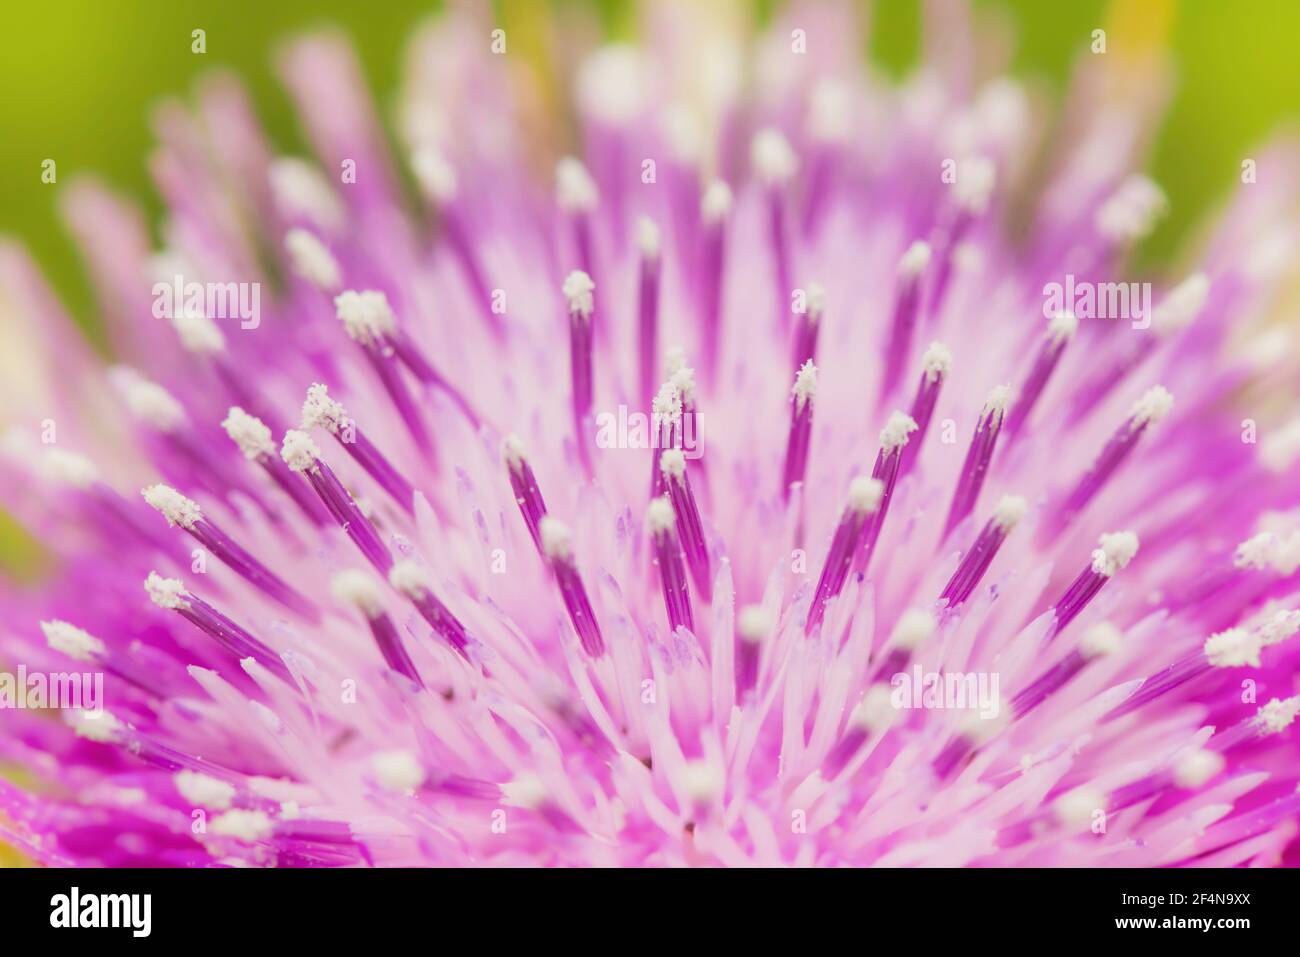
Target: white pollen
875,710
976,177
683,131
611,84
408,578
526,791
358,588
72,641
175,507
1181,305
667,404
1009,511
914,628
398,770
1062,327
683,380
1131,211
575,190
1276,716
865,494
1076,808
198,334
319,409
436,177
1233,648
300,190
914,261
830,111
250,433
203,790
672,462
101,726
1256,551
753,623
1100,640
1280,447
557,540
937,361
715,204
299,451
166,592
1279,628
815,298
897,428
578,289
648,240
68,468
674,361
247,826
312,260
805,384
995,405
659,516
702,782
773,159
147,401
1195,769
366,316
1115,550
1154,405
513,452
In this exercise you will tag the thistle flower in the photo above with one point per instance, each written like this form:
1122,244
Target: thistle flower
925,572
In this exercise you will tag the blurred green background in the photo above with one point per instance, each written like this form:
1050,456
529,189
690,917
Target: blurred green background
81,76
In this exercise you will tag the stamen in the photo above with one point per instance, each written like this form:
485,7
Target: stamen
253,437
935,365
971,193
662,524
302,455
914,629
753,627
678,483
171,593
358,589
872,714
805,344
864,499
715,209
893,440
1233,648
1154,405
802,399
438,183
978,456
577,196
1099,641
648,303
666,429
369,321
1113,553
907,301
524,484
1059,333
319,409
557,548
1131,211
774,165
578,289
312,260
185,512
410,579
1010,510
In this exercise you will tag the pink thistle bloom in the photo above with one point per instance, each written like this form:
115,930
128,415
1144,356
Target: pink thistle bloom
928,569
